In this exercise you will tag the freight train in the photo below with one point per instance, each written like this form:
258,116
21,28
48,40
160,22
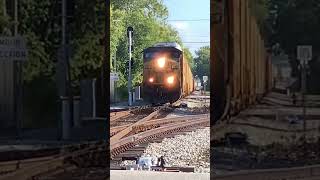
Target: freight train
166,73
241,64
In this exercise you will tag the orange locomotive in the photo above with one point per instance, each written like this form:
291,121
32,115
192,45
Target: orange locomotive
166,73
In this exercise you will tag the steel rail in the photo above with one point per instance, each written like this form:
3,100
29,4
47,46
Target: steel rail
296,173
273,128
117,115
156,122
125,143
128,129
26,169
12,165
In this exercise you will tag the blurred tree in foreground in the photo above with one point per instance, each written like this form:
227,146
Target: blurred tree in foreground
4,19
40,24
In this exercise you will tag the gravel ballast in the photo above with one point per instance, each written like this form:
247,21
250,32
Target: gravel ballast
189,150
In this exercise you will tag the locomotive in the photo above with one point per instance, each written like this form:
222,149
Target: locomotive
166,73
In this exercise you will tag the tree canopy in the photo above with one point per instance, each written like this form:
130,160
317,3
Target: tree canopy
202,62
148,20
292,23
40,23
4,19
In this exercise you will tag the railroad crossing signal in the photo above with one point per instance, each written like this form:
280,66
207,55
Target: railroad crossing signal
130,37
129,29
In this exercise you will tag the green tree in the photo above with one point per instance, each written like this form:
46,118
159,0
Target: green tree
202,62
293,23
259,9
148,20
4,19
87,30
36,24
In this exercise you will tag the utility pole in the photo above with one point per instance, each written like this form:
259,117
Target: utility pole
4,8
18,77
15,17
115,82
66,115
304,85
130,34
304,54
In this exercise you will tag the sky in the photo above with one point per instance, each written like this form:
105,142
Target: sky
191,19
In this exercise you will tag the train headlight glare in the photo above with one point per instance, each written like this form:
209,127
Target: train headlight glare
170,80
161,62
151,80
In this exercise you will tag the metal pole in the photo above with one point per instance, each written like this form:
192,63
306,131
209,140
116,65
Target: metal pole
4,7
15,17
94,108
63,25
115,82
18,79
303,97
65,102
129,77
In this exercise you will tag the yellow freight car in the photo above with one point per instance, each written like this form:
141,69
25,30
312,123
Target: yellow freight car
166,73
240,62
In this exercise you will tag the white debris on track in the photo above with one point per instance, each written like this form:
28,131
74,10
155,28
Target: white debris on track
189,150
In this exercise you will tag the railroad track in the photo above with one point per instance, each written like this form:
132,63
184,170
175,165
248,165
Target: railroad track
126,143
152,124
298,173
117,115
34,168
263,116
131,116
132,138
132,147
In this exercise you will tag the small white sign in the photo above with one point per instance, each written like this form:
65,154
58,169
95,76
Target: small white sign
205,78
304,53
13,49
114,76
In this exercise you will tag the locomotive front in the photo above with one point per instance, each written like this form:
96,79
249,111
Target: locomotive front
162,73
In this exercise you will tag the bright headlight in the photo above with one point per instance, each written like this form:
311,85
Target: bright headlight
151,80
170,80
161,62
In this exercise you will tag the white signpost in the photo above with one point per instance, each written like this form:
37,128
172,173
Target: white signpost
304,54
13,49
205,78
114,76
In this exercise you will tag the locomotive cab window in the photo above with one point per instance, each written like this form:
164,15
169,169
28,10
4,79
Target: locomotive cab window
150,55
